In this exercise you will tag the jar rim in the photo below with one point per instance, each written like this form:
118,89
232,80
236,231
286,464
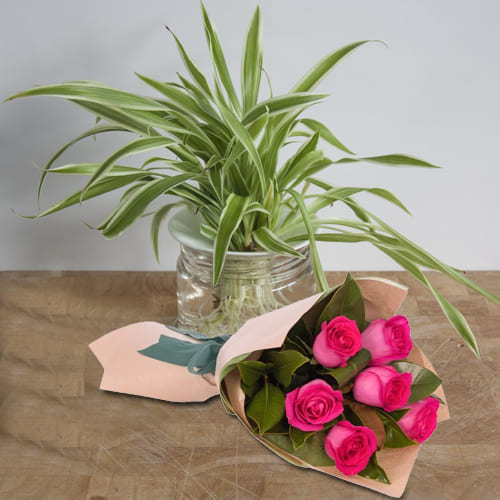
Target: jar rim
184,226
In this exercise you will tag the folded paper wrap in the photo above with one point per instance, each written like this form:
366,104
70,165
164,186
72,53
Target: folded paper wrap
127,371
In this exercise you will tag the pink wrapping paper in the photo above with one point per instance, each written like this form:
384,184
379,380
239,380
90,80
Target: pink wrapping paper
129,372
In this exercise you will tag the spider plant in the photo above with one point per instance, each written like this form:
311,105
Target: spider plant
218,152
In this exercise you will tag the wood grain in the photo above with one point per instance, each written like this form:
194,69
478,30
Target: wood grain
63,438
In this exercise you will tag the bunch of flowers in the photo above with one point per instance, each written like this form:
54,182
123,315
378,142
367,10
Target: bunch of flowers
340,388
324,383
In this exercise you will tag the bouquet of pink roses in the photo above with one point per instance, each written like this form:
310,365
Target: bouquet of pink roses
337,390
332,382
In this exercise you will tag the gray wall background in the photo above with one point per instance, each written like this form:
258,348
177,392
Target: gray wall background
433,93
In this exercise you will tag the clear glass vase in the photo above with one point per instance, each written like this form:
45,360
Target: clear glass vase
252,283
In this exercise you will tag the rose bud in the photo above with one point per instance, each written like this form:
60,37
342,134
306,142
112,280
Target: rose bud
350,446
337,341
312,405
387,340
421,419
382,386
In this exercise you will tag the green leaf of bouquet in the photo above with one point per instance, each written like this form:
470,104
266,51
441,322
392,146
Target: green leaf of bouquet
394,435
299,437
355,364
232,365
363,415
249,390
251,372
281,428
312,451
351,416
284,364
374,471
399,414
229,221
299,339
438,398
267,407
310,318
346,301
424,382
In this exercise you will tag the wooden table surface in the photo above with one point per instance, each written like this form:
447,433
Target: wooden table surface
63,438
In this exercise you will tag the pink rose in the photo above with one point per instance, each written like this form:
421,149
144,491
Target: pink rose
421,420
382,386
387,340
312,405
350,446
336,342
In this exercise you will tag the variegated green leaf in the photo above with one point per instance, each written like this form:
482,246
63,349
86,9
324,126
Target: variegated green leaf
325,133
158,219
323,67
229,221
251,62
136,204
100,129
319,274
280,104
140,145
391,160
266,239
95,93
100,187
217,56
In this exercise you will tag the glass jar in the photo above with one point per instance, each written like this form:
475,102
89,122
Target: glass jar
251,283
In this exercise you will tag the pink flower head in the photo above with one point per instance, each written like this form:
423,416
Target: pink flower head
350,446
382,386
337,341
312,405
387,340
421,419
